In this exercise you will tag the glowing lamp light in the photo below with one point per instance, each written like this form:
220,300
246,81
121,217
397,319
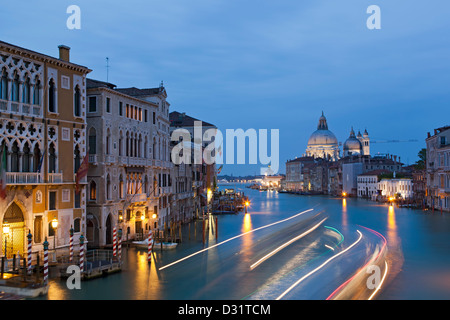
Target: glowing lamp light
5,229
143,217
154,216
247,203
344,194
54,223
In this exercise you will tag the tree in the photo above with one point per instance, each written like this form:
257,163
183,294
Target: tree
420,164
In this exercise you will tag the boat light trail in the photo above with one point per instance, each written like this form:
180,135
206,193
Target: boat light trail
319,267
367,264
235,237
267,256
329,247
382,280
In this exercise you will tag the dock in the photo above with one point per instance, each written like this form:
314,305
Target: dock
229,202
98,263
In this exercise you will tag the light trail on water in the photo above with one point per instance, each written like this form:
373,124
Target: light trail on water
233,238
319,267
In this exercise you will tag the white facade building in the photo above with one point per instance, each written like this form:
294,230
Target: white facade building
394,187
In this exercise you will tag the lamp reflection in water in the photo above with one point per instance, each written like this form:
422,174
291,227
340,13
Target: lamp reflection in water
248,238
395,253
344,213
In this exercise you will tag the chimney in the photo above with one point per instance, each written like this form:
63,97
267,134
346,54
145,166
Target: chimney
64,53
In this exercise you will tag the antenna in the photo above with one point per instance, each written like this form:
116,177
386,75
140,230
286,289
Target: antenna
107,69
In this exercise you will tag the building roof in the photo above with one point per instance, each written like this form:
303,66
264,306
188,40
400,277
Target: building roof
376,172
91,83
41,56
302,159
181,120
136,92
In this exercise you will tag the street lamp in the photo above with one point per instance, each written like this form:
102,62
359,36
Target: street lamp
54,226
6,233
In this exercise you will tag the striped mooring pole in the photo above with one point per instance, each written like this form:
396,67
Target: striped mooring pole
29,251
71,245
81,254
114,242
150,246
119,246
45,261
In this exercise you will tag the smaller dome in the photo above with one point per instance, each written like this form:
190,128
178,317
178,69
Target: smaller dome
352,144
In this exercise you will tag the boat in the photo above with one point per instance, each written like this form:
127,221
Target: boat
157,245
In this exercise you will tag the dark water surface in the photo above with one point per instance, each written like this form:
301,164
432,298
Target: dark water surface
418,254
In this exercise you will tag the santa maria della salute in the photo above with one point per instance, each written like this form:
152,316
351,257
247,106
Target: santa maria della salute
323,143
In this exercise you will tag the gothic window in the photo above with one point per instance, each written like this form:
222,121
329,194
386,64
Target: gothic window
93,190
121,195
4,85
36,158
26,91
108,141
77,102
36,94
77,159
52,158
26,159
108,187
15,157
15,88
51,96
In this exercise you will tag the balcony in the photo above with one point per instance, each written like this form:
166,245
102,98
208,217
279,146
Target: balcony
93,159
55,177
23,178
21,108
110,158
138,197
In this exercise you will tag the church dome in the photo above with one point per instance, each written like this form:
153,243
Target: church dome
352,145
323,143
322,136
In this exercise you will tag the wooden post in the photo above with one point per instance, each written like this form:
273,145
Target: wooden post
14,262
2,267
217,229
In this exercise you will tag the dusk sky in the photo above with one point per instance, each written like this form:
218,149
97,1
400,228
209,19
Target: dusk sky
265,64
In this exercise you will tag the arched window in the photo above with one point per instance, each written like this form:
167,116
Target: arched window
120,144
108,141
93,190
128,145
26,159
15,88
121,195
154,148
15,157
52,158
92,141
108,187
36,158
26,91
77,102
4,85
77,159
51,96
36,92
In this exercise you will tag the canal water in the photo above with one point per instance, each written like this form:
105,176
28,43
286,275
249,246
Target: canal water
418,253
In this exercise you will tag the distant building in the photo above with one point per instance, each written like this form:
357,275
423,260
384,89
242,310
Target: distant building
396,187
204,175
368,183
357,145
438,169
294,173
